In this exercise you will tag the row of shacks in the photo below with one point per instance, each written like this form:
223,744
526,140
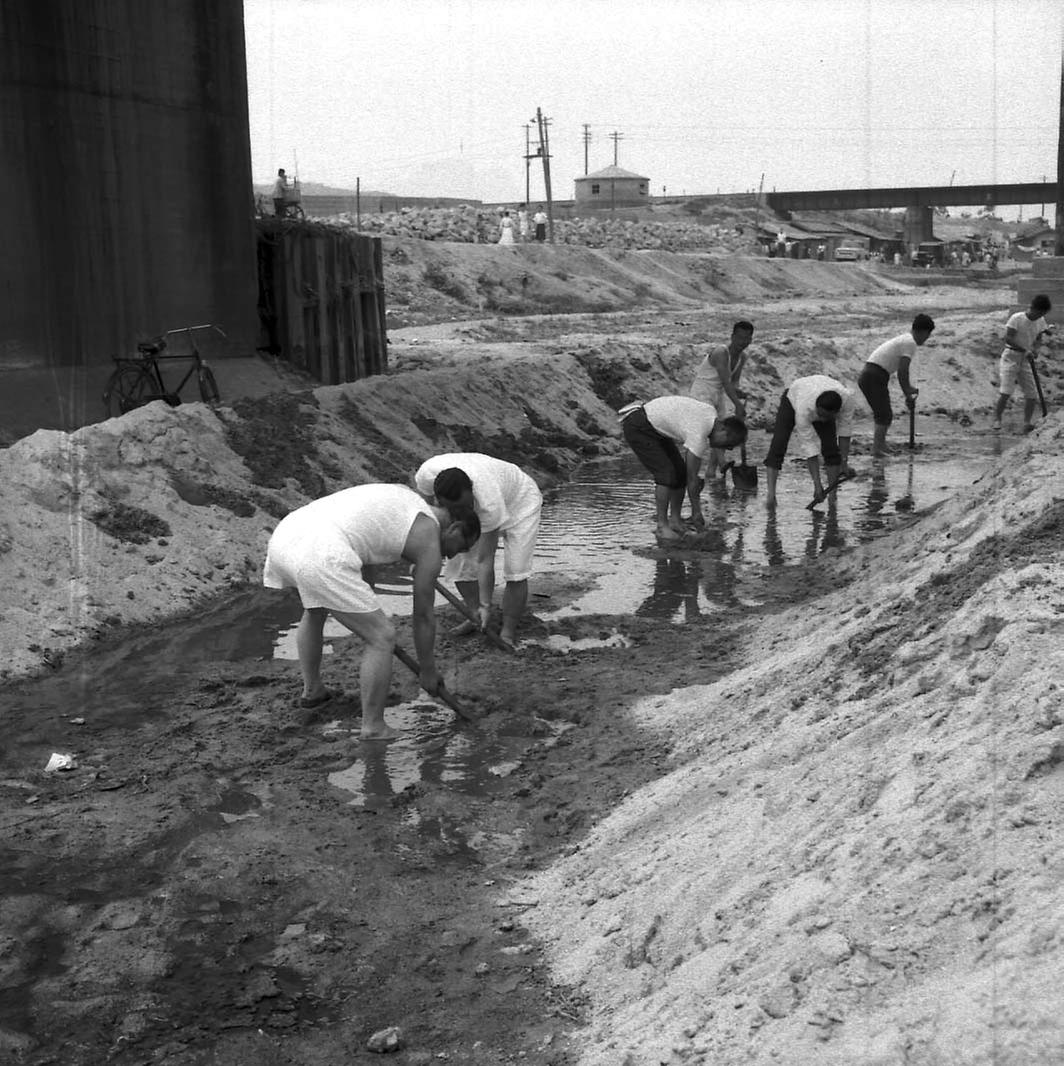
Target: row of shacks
817,236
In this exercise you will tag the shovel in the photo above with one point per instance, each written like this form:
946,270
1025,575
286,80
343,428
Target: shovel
744,476
409,661
457,601
829,490
1038,386
912,425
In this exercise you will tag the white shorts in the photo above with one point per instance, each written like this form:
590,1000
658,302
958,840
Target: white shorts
519,546
1012,370
321,565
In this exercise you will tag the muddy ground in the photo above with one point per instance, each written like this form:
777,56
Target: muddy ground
820,830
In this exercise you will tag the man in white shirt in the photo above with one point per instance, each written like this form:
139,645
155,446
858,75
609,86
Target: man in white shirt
671,436
819,411
508,504
320,550
1023,331
893,356
539,220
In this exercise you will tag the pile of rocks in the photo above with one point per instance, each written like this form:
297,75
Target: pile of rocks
473,225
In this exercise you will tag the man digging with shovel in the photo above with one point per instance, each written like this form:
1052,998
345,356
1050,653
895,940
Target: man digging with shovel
508,504
320,550
1023,331
671,436
819,410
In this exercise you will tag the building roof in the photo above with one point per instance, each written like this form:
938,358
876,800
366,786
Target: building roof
613,172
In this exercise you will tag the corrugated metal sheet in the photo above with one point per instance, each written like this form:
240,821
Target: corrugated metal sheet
126,169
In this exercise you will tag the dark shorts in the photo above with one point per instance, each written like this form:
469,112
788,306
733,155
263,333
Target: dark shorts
781,437
874,382
660,455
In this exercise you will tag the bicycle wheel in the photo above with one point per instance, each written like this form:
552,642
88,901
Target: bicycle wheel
128,387
208,387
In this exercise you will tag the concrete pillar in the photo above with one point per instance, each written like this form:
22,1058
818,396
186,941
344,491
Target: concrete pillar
919,225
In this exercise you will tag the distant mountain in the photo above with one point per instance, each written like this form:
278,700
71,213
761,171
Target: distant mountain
314,188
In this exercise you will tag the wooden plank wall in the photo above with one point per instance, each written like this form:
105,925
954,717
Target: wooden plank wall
321,299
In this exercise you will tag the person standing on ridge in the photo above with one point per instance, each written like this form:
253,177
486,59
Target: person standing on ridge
1023,331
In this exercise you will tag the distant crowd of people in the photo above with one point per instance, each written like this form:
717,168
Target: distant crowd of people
514,229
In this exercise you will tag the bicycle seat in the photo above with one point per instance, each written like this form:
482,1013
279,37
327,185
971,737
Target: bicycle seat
151,347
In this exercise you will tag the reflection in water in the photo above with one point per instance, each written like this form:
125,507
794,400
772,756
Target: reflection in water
430,750
674,591
774,553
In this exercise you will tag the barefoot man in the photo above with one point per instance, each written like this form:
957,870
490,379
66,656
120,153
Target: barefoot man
671,436
818,410
508,503
320,550
891,356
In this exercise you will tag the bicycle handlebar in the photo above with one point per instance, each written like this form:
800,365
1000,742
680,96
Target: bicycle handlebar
189,329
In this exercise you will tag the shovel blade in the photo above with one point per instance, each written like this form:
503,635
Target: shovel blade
744,477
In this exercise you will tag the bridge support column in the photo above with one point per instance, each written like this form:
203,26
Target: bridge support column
919,225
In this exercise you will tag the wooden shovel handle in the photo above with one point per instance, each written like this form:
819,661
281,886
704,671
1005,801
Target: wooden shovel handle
457,601
409,661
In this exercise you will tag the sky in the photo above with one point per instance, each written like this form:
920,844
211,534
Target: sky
440,97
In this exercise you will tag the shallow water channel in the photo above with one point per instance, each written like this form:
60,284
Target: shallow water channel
597,536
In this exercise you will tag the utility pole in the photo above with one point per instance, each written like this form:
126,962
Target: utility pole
544,150
528,159
615,137
587,141
757,211
1059,248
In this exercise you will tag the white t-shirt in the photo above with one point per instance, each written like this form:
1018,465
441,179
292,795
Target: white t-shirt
1026,334
890,353
803,394
503,493
684,420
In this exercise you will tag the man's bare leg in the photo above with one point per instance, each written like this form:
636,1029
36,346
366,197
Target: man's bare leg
879,441
771,476
309,644
662,501
470,593
375,671
514,598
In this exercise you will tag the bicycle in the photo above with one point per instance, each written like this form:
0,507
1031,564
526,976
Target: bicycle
138,380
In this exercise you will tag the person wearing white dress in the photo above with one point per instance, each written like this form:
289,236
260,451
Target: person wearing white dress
506,229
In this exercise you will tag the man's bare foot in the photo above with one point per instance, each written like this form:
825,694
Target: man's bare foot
6,539
509,638
464,629
669,535
381,732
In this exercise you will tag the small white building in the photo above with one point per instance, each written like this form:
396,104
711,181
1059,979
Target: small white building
611,187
